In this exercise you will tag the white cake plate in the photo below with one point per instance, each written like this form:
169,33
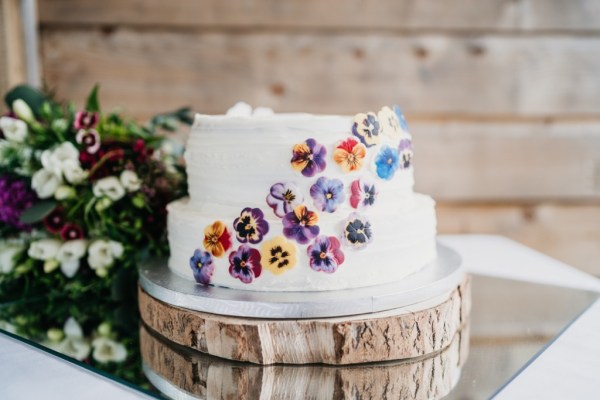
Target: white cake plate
436,278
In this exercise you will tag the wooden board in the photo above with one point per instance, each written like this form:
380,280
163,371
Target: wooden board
502,15
210,377
149,71
12,54
408,332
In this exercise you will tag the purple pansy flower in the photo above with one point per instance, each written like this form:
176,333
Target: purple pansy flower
202,266
15,197
301,224
309,157
387,162
366,127
284,197
251,225
90,139
364,194
327,194
85,120
325,254
357,231
405,148
244,264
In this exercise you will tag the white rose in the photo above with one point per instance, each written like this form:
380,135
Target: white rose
130,181
22,110
53,160
44,249
45,183
69,256
14,129
102,253
73,172
106,350
110,187
7,256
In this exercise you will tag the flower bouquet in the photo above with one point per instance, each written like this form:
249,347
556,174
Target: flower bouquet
83,198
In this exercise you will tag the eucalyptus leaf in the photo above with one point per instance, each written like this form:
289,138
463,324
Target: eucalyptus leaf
92,104
38,211
30,95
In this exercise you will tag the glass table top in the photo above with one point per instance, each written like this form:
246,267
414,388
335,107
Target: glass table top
511,322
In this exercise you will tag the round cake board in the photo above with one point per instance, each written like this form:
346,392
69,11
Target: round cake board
414,330
181,373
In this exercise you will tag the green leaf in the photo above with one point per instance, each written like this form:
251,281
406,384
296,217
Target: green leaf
92,103
30,95
38,211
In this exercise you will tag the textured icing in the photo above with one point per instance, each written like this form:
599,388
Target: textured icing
232,162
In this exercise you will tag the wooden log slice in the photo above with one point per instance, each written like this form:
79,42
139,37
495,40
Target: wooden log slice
174,368
402,333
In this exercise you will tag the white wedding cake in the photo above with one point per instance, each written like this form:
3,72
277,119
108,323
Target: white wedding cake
300,202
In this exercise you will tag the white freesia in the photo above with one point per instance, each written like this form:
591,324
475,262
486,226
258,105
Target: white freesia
72,328
45,183
22,110
102,253
74,344
54,160
73,172
14,129
44,249
130,181
69,256
106,350
109,187
7,255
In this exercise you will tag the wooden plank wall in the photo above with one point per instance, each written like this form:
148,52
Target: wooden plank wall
12,55
503,96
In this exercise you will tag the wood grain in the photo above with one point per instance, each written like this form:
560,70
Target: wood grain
455,15
408,332
214,378
148,71
12,54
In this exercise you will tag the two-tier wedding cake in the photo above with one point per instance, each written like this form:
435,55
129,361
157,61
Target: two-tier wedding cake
299,202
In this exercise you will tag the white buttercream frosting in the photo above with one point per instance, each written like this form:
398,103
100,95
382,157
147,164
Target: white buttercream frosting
232,162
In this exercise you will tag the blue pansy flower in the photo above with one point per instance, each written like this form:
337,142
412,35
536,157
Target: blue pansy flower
327,194
202,266
387,162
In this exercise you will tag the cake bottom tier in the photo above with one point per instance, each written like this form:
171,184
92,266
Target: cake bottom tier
403,242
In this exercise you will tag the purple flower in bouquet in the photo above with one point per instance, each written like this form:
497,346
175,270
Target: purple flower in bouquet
15,197
244,264
325,254
90,139
202,266
251,225
85,120
309,157
327,194
284,197
301,224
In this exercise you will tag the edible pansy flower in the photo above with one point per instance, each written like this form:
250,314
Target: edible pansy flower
357,231
387,162
202,266
283,197
363,194
85,120
349,155
325,254
251,225
244,264
405,148
217,239
401,120
278,255
390,125
90,139
327,194
366,128
301,224
309,157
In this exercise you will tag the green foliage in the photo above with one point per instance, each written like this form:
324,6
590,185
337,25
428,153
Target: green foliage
31,96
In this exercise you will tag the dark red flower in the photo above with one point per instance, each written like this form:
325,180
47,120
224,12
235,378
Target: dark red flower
85,120
54,221
71,232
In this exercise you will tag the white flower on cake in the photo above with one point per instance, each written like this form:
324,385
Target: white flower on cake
69,256
107,350
8,251
44,249
45,183
14,129
102,254
22,110
109,187
130,181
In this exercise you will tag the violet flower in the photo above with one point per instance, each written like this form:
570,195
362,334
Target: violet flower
327,194
283,197
244,264
202,266
15,197
301,224
309,157
325,254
